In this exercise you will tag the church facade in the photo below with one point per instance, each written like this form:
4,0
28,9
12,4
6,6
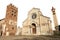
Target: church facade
36,23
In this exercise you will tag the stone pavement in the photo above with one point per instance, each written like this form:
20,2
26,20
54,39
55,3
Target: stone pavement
30,38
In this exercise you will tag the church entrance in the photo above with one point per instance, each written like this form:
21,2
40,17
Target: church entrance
34,28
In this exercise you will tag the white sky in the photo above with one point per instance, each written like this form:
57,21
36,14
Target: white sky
25,5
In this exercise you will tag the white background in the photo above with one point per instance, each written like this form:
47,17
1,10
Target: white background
25,5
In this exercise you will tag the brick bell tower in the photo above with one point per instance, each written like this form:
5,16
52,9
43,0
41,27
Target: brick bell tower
11,20
55,19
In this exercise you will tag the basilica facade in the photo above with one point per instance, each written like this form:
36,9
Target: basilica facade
36,23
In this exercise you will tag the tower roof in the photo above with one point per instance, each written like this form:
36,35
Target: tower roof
11,5
53,8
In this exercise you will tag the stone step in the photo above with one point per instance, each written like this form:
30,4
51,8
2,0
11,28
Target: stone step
30,38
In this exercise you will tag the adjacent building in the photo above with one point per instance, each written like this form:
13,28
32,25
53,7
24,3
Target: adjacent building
1,26
19,31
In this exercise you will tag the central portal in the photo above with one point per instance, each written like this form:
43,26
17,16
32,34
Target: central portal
34,28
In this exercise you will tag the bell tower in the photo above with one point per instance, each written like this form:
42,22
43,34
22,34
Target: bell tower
55,18
11,20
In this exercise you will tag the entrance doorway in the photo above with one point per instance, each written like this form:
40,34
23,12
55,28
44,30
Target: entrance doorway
34,28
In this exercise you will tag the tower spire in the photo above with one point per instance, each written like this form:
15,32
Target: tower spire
54,17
